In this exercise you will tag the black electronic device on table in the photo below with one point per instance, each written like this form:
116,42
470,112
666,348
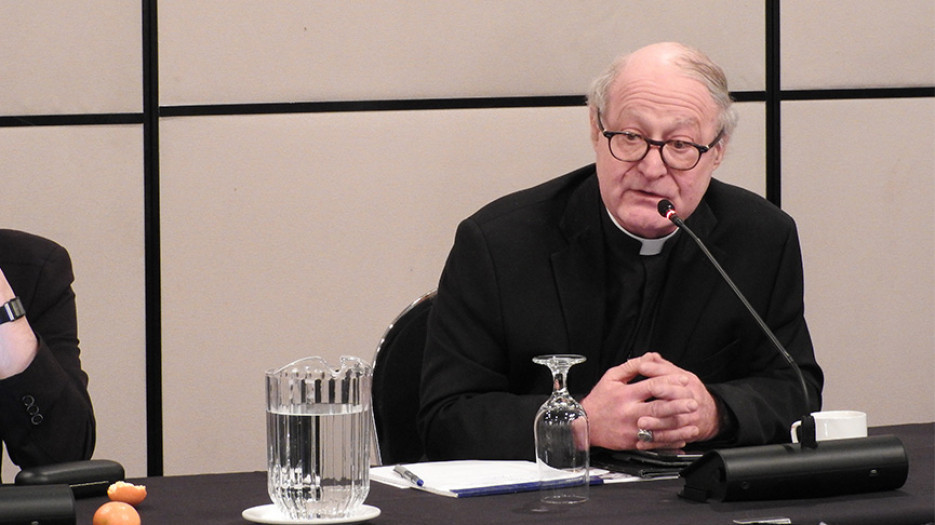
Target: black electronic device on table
46,494
649,464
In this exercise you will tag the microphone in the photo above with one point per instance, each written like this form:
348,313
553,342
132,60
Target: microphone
807,430
785,471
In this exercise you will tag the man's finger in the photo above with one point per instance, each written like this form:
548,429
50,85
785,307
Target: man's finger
664,410
625,372
664,387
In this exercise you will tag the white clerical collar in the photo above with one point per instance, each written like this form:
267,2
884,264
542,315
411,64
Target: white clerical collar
648,246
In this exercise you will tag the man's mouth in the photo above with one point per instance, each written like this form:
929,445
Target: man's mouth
649,195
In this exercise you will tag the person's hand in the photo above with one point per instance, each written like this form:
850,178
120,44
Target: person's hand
18,343
670,401
677,415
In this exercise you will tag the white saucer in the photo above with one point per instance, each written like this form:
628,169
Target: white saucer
271,515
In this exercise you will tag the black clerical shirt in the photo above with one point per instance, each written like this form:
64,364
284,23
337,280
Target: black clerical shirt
633,284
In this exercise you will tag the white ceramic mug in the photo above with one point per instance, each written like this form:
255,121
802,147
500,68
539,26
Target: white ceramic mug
835,424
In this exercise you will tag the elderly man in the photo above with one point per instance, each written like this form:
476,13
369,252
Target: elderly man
585,264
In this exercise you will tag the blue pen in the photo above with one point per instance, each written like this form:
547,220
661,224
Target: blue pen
409,475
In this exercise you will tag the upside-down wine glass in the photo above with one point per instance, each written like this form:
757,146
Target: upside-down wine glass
561,432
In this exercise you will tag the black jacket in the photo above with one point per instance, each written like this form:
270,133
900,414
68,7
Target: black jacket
45,411
526,276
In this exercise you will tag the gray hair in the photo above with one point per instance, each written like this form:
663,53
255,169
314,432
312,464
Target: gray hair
694,64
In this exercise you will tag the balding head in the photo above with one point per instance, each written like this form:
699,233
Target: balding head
673,56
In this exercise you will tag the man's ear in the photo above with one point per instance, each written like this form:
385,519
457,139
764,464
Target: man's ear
718,151
595,129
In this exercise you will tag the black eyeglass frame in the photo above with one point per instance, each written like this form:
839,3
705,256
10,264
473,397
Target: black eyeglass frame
658,143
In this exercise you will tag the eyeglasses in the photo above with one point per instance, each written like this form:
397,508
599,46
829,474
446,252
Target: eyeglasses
679,155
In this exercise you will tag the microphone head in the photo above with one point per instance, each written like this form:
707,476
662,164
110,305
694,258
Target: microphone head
665,207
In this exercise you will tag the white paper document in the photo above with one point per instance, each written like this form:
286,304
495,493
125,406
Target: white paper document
466,478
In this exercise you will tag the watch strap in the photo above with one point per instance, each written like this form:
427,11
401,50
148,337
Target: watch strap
12,310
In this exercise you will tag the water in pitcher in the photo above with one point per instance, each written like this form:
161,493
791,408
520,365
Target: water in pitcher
319,460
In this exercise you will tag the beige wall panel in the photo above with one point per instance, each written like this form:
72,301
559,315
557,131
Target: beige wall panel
745,162
285,236
832,44
70,57
863,206
82,187
241,51
292,235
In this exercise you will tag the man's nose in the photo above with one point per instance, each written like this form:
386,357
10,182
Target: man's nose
652,163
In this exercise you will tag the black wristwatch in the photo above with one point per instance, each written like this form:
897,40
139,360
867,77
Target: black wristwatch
11,310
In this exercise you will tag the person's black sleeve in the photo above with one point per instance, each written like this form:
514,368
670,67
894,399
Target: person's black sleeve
45,412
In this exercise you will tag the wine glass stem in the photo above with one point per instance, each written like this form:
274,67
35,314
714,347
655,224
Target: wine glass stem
558,379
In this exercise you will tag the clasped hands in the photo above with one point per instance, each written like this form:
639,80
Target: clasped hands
671,402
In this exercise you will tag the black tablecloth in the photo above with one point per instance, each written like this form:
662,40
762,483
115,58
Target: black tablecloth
219,499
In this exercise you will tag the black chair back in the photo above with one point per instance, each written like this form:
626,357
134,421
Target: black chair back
397,370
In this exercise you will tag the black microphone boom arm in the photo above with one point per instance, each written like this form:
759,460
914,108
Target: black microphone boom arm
808,422
786,471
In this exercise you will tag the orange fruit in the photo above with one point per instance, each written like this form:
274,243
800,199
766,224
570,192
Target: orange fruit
127,492
116,513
